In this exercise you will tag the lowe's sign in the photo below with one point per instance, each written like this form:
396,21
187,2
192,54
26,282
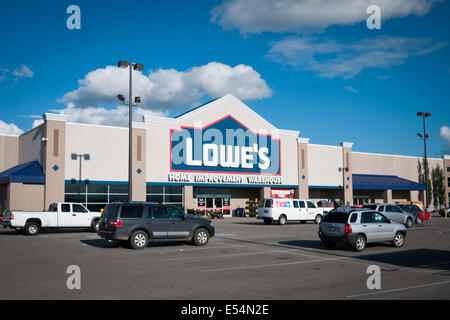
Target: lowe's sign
225,146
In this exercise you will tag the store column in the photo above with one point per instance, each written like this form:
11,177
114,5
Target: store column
302,192
188,197
55,153
347,172
139,162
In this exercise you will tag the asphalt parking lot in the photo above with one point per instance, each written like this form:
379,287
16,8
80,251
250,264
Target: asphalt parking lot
246,260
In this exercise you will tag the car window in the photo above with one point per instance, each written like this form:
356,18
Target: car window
111,211
53,207
267,203
79,208
367,217
381,208
131,211
379,218
174,213
158,212
336,217
311,205
295,204
302,204
370,206
396,209
65,207
353,218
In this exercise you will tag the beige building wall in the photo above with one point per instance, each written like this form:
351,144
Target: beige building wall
26,197
31,146
55,153
382,164
9,152
323,165
139,164
107,146
302,192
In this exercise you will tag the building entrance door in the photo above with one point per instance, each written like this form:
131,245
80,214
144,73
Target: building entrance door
214,200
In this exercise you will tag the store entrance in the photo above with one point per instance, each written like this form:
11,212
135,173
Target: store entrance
214,201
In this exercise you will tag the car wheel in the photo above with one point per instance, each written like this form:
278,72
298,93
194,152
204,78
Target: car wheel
409,223
360,243
268,221
329,245
399,240
282,220
139,240
201,237
318,219
32,228
95,226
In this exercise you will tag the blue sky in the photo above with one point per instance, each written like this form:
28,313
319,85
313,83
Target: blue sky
317,69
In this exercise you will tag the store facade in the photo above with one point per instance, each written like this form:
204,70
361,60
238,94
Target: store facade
214,158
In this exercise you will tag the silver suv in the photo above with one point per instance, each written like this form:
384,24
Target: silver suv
392,212
359,227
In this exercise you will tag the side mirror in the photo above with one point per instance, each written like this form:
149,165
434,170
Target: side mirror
390,221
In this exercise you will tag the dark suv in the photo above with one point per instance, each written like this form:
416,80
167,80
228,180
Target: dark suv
140,222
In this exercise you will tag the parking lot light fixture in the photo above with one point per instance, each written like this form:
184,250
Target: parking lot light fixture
425,137
138,67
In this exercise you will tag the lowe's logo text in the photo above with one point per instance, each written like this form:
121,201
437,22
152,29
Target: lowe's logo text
225,146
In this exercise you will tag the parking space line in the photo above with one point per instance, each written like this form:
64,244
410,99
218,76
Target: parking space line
273,265
400,289
241,254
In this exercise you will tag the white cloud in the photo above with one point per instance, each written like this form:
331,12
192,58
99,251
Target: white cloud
445,134
166,89
9,129
255,16
97,115
23,72
350,89
329,59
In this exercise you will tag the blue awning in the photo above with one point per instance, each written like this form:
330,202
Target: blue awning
26,173
382,182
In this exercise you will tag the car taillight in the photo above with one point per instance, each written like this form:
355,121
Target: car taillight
348,228
115,223
421,215
11,216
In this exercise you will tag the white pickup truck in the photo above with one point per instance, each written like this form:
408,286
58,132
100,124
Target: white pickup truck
59,215
283,210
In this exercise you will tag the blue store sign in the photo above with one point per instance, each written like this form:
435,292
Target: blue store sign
225,146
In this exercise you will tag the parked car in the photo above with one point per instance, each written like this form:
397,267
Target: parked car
283,210
392,212
359,227
142,222
59,215
414,210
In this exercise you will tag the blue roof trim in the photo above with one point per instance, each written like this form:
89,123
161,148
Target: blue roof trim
190,110
26,173
384,182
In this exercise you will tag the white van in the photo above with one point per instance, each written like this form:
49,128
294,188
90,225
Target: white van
283,210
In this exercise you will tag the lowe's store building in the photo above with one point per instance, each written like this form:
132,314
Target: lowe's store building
214,157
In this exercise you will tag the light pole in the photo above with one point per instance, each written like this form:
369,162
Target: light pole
343,170
138,67
85,157
425,137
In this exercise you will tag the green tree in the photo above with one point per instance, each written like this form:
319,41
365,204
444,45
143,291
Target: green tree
438,181
421,175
